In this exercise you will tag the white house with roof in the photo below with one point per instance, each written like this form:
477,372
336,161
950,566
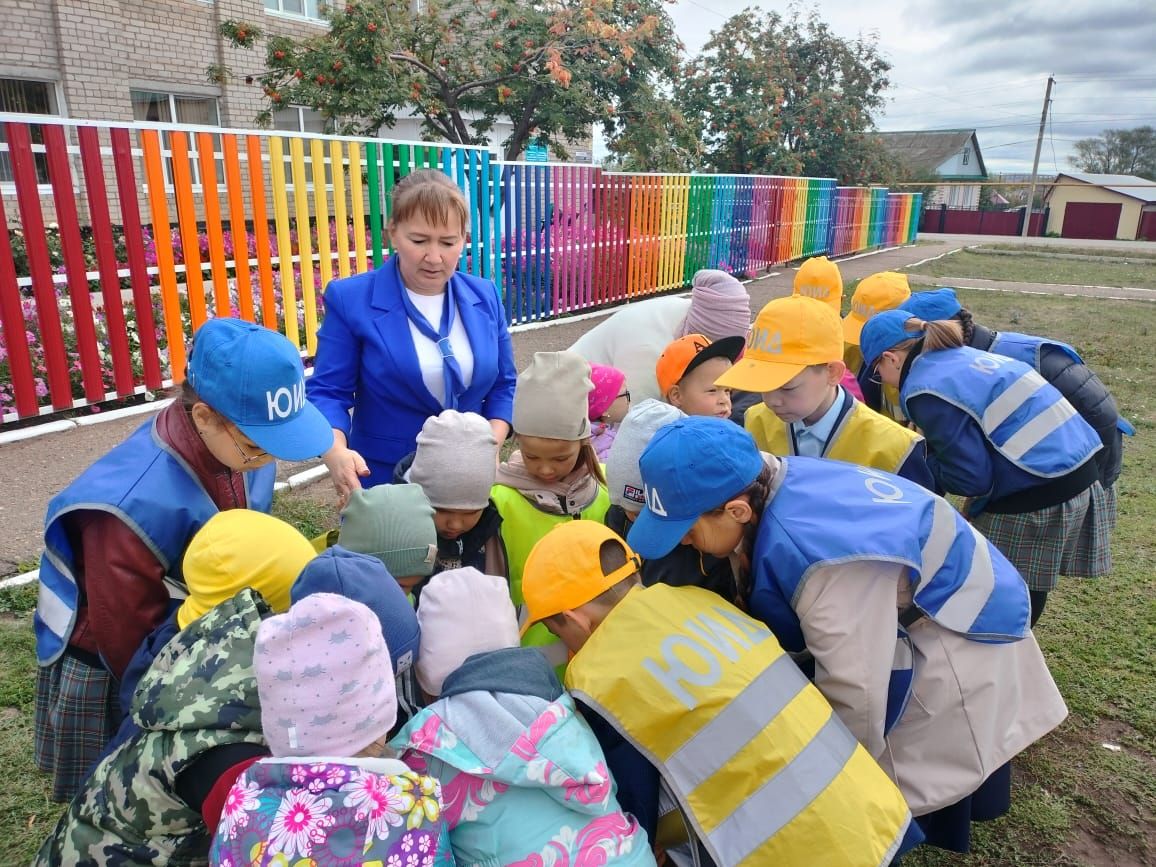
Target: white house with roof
949,154
1083,205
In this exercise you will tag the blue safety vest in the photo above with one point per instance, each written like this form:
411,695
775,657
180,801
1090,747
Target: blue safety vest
1029,349
1024,417
958,578
149,487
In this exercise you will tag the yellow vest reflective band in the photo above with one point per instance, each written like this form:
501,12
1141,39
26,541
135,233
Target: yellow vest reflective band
862,437
890,405
763,769
523,524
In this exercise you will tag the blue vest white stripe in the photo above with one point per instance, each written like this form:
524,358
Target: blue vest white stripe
155,493
1029,349
1023,416
958,578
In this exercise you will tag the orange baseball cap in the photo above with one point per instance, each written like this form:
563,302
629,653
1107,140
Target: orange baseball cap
789,335
564,571
819,278
883,291
685,354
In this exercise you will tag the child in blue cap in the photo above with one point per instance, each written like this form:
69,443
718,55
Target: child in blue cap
865,572
114,538
998,433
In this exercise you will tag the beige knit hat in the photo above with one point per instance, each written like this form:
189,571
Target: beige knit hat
454,463
551,397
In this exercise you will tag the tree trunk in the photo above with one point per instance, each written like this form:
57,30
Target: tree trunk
525,123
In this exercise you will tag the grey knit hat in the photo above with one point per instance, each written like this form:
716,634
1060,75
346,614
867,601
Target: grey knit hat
623,477
551,397
393,523
456,460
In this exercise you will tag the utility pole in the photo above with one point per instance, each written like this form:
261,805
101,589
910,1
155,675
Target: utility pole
1036,161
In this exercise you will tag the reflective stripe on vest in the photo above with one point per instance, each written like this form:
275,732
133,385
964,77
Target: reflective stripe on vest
1024,417
862,437
763,769
153,492
958,579
1029,349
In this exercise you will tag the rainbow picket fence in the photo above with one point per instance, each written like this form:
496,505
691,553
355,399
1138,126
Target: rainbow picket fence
118,240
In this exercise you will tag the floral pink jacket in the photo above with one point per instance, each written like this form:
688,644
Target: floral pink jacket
322,812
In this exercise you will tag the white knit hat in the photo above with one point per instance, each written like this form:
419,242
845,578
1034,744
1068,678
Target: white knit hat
623,478
550,400
461,612
456,460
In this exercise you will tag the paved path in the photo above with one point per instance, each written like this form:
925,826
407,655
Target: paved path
32,471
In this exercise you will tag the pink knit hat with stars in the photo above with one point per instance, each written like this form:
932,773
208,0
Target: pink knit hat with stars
607,386
324,678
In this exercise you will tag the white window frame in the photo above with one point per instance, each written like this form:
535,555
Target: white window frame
194,155
56,103
314,16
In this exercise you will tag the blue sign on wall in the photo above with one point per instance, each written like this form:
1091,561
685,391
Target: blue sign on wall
537,153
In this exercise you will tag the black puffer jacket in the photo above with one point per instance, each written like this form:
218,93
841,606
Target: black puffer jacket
1083,390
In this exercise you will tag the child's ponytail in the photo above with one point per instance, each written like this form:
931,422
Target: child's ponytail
938,334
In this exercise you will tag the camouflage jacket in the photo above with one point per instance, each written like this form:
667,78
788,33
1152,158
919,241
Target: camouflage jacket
199,693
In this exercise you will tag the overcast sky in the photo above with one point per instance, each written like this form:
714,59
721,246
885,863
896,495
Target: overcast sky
984,65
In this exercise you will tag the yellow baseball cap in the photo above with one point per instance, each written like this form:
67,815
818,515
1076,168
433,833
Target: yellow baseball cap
564,571
789,335
819,278
883,291
241,548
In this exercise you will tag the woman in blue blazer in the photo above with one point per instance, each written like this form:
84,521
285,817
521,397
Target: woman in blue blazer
414,337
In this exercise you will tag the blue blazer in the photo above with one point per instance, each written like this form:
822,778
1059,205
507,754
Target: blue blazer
366,362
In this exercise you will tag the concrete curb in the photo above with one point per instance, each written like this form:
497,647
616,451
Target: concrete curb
65,424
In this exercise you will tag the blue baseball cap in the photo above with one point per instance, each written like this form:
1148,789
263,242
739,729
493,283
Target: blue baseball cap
883,331
933,305
690,467
254,378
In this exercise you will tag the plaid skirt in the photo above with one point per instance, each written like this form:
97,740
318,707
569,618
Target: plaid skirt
77,713
1071,538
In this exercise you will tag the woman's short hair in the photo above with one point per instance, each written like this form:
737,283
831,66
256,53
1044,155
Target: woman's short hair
431,195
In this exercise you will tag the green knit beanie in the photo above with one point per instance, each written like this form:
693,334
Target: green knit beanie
393,523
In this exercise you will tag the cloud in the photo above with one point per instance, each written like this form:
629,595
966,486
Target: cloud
984,64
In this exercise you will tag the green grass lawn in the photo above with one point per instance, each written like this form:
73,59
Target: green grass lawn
1077,802
1115,253
1038,268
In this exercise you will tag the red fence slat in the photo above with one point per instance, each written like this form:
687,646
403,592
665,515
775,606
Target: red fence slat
39,264
106,261
126,189
75,265
12,327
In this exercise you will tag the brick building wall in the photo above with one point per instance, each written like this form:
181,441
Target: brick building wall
99,50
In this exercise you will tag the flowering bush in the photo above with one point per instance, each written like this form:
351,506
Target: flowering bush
232,245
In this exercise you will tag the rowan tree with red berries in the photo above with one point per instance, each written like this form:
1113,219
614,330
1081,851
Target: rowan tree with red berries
552,68
785,95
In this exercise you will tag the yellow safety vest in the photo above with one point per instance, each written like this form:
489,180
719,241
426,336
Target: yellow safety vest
523,524
763,769
862,437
